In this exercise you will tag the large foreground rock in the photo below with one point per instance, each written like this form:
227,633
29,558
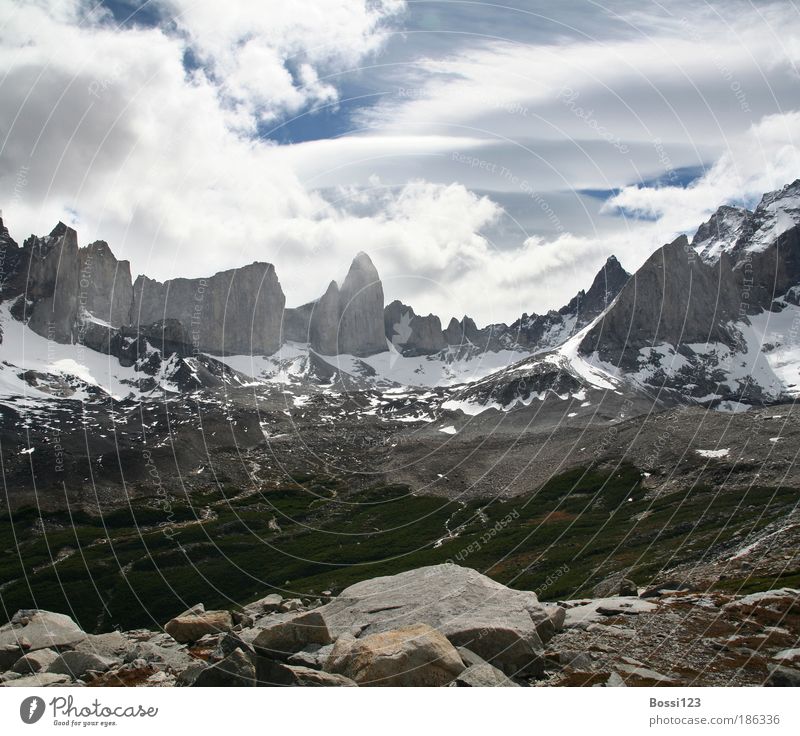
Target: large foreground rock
412,656
506,627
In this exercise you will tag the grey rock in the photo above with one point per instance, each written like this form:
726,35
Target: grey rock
8,676
106,289
575,660
34,662
614,680
781,676
41,679
188,676
51,272
361,330
470,609
236,670
267,604
11,650
284,634
313,656
239,311
324,322
77,664
483,675
45,630
169,657
309,677
411,334
644,673
112,644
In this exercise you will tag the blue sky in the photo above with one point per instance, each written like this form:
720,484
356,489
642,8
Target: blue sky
488,157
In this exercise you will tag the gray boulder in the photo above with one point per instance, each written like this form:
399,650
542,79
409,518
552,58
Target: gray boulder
43,630
499,624
284,634
77,664
235,670
34,662
41,679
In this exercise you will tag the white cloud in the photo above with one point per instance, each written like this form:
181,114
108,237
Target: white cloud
108,124
268,60
763,159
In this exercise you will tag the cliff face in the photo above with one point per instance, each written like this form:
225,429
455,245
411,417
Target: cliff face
410,333
50,267
361,330
235,312
106,291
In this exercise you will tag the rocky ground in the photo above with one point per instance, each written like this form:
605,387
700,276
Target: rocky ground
433,626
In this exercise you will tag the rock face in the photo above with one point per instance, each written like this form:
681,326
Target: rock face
50,268
415,656
233,312
361,330
324,324
703,319
543,331
505,627
106,291
411,334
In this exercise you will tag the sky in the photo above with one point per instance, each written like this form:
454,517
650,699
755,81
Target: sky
488,157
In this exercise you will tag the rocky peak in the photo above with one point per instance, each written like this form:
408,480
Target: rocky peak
361,328
107,290
720,232
410,333
608,282
324,322
776,214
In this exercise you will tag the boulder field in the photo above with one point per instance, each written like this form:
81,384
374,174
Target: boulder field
443,625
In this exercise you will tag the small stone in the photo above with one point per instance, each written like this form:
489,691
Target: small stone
483,675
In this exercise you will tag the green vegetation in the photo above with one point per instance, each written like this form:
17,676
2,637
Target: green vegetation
140,565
